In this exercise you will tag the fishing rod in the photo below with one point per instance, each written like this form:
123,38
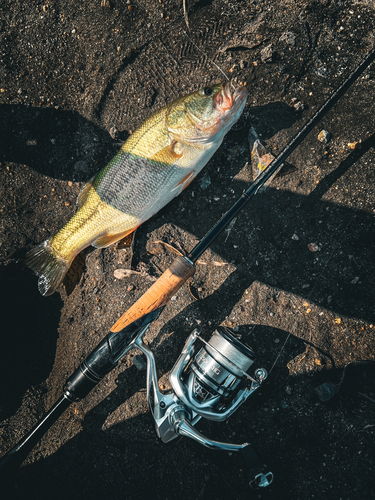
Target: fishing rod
205,383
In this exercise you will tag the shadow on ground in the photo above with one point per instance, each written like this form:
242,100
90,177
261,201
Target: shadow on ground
117,456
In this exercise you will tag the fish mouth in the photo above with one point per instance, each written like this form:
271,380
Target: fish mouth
226,100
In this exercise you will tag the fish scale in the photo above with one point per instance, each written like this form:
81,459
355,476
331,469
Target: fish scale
153,166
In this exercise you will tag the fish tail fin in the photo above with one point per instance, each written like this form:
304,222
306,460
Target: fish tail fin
50,268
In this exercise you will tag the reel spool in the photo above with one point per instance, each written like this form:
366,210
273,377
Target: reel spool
219,367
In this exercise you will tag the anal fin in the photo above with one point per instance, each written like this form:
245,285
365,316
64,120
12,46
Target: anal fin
127,241
109,239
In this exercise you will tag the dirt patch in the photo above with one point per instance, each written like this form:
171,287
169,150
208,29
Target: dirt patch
76,79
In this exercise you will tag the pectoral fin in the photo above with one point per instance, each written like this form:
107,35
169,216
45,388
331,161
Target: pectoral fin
166,155
185,181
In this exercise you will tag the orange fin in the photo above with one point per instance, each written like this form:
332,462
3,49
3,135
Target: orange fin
82,197
109,239
127,241
185,181
166,155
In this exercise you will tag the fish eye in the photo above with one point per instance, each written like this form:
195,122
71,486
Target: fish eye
207,91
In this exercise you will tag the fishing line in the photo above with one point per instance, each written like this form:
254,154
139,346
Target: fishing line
213,62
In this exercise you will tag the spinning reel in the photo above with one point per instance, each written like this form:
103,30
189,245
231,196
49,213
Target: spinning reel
206,383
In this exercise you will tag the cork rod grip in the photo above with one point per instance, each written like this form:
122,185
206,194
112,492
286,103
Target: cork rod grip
159,293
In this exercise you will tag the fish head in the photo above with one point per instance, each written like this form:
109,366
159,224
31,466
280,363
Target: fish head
206,115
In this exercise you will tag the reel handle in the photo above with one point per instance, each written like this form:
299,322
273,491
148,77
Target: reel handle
255,468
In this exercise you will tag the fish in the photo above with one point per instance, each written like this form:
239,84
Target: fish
158,161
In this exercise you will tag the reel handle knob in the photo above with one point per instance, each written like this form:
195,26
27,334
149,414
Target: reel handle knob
255,469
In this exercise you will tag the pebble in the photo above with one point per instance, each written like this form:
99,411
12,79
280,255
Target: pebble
80,165
140,363
324,136
266,54
113,132
289,38
295,237
204,182
354,145
122,273
325,391
130,288
299,106
313,247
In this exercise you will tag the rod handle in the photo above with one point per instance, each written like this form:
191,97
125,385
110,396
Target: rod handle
159,294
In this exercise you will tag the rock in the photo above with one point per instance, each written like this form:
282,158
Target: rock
204,181
122,273
299,106
313,247
266,54
354,145
325,391
80,166
324,136
113,132
139,362
288,37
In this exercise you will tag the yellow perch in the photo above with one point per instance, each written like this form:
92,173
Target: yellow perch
153,166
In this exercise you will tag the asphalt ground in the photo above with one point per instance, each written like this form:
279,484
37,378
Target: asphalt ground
294,276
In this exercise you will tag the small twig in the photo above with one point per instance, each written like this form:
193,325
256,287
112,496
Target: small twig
173,249
367,397
186,14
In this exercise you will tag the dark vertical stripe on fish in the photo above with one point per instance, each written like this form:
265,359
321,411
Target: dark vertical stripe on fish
132,184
